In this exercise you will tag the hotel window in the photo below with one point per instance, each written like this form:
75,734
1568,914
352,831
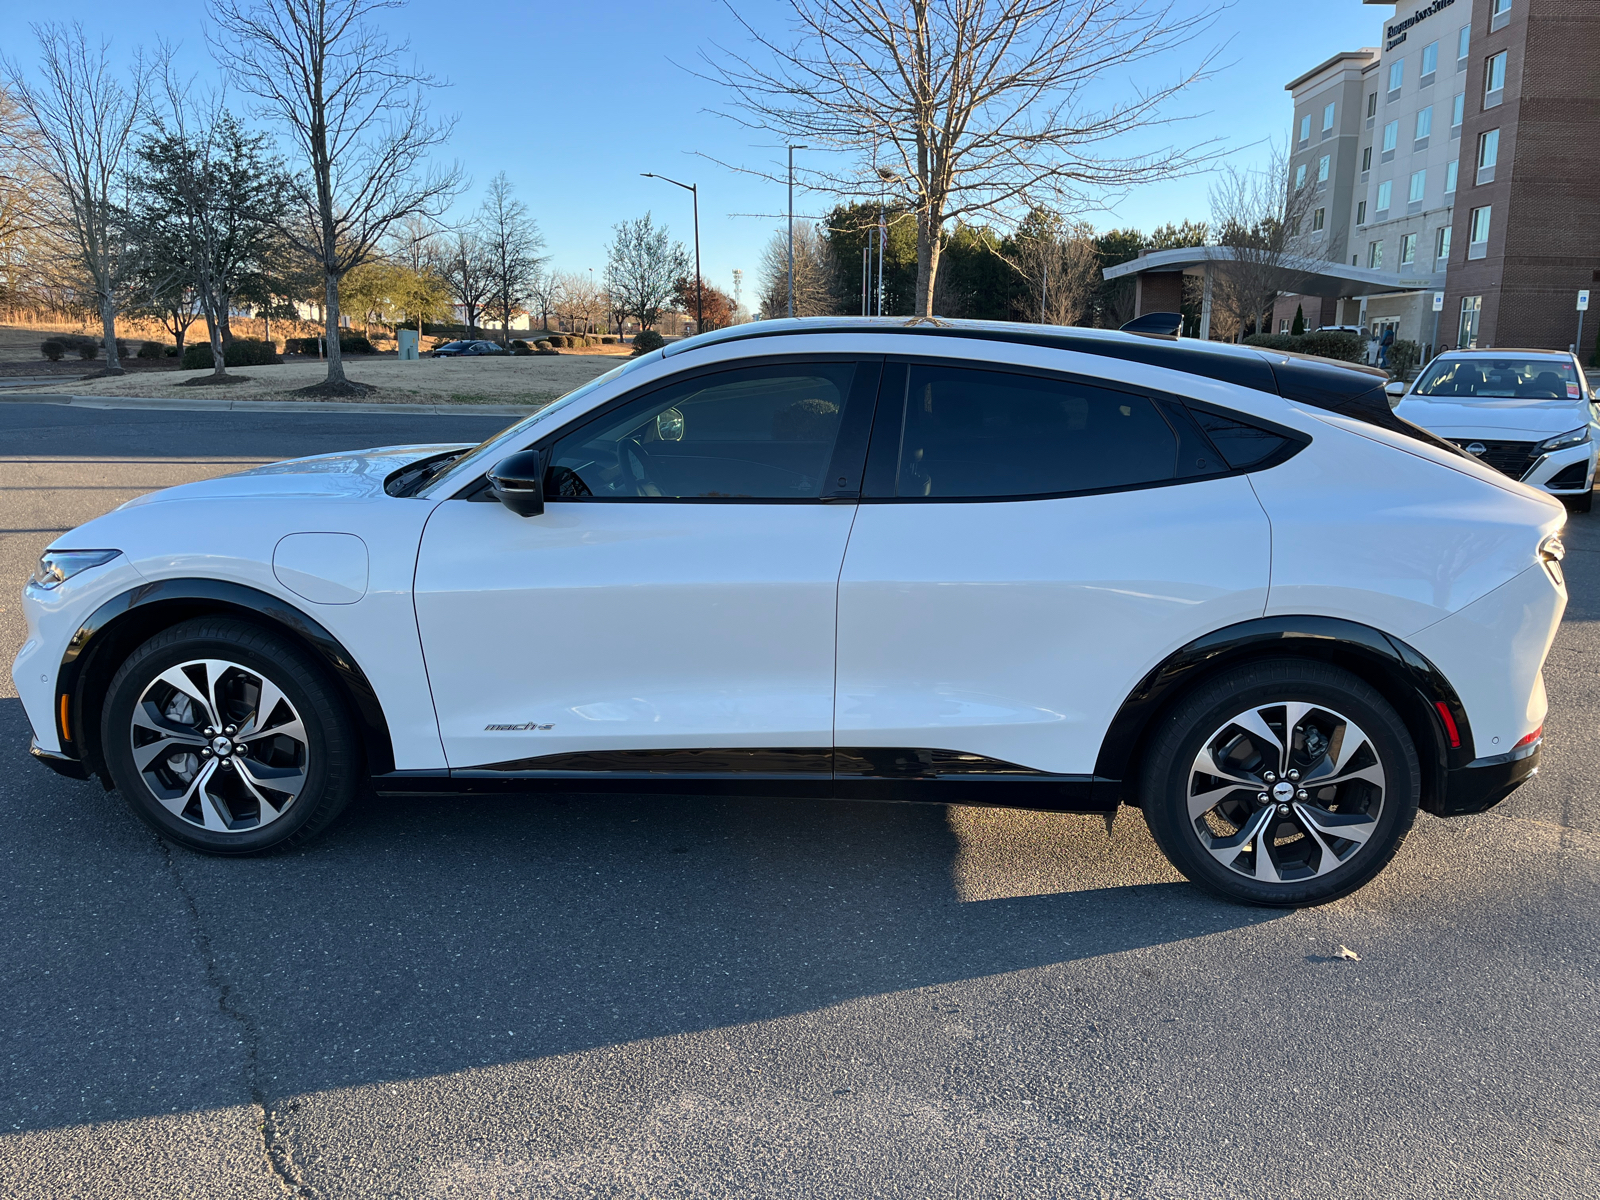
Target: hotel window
1458,113
1408,249
1441,243
1478,239
1463,44
1327,118
1385,194
1391,137
1361,212
1366,159
1322,168
1471,310
1494,79
1419,186
1424,123
1375,256
1499,14
1300,176
1430,62
1488,152
1397,76
1305,128
1319,219
1372,106
1450,176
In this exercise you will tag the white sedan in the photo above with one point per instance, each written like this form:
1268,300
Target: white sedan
950,562
1528,413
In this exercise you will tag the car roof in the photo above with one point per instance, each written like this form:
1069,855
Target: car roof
1503,351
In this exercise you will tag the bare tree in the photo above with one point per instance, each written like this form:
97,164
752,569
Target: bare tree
511,244
1060,263
1260,216
81,120
580,302
642,265
543,294
467,270
24,228
955,108
357,117
812,294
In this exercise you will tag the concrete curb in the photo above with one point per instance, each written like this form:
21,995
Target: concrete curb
201,404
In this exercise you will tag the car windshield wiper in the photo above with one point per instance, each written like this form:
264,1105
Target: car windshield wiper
410,480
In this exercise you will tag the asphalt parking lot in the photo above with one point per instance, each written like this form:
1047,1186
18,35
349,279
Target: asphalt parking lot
614,997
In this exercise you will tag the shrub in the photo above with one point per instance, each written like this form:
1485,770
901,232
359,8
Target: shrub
1348,347
608,341
557,340
241,352
52,349
1404,355
647,340
521,348
170,352
1299,326
355,344
152,350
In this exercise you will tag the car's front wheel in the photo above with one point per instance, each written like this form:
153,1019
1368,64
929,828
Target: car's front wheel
228,739
1282,783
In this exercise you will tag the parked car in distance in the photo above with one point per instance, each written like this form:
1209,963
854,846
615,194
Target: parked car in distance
466,349
1528,413
963,562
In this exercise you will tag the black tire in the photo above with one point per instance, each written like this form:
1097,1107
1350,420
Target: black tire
1199,721
325,767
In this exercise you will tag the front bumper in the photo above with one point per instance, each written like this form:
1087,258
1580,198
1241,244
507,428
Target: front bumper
59,763
1484,782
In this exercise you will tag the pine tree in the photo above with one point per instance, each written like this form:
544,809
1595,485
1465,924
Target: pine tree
1299,326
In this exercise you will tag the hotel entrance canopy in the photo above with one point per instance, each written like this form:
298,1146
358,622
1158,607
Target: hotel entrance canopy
1309,276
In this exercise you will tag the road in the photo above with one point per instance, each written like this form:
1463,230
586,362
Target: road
604,997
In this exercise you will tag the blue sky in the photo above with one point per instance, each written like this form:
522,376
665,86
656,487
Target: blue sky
573,102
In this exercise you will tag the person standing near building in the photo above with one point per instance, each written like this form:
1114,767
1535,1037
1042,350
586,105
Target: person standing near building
1383,347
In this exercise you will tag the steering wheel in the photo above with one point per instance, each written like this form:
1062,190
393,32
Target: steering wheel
568,484
636,461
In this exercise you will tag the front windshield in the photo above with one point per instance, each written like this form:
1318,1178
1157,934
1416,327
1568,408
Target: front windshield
1509,378
438,470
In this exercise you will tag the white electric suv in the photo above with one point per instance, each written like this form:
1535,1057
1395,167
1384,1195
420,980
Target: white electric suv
928,561
1528,413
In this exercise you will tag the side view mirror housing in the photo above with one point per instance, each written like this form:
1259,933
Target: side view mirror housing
1395,389
517,481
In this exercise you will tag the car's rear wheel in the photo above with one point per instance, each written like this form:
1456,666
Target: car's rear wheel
1282,783
228,739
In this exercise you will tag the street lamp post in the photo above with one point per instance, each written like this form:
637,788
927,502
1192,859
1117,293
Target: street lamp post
699,292
792,149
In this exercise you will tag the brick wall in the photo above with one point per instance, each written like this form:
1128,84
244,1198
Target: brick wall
1159,291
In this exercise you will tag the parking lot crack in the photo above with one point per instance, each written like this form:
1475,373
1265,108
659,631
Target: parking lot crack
275,1148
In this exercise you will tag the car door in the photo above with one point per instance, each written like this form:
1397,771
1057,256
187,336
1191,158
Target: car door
676,599
1028,546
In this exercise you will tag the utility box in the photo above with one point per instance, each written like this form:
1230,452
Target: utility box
408,343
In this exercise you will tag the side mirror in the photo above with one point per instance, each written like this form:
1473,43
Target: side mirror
1395,388
517,481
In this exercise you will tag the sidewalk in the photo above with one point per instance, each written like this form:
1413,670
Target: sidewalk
207,404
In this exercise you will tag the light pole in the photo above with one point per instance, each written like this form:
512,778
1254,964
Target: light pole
699,294
792,149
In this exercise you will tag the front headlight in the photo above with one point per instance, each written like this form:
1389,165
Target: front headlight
1565,441
57,566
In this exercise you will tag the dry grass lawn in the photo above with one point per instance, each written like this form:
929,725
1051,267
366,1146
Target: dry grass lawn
534,381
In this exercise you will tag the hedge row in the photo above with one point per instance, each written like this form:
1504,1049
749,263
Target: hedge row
353,344
1329,343
241,352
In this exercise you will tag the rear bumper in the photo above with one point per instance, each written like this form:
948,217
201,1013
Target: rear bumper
1484,782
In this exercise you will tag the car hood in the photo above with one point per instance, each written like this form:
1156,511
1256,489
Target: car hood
354,475
1495,419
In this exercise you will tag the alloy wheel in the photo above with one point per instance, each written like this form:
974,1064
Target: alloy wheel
1286,792
219,745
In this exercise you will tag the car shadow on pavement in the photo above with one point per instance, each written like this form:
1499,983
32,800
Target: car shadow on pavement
422,937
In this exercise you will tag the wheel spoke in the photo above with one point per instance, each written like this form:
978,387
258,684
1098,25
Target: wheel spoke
202,696
1353,827
143,756
1351,740
145,716
266,705
1372,774
288,780
210,810
269,811
1203,802
1253,724
176,804
1226,849
1205,762
291,728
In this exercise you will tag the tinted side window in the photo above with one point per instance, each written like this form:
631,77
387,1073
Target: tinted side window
763,433
1240,444
966,432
